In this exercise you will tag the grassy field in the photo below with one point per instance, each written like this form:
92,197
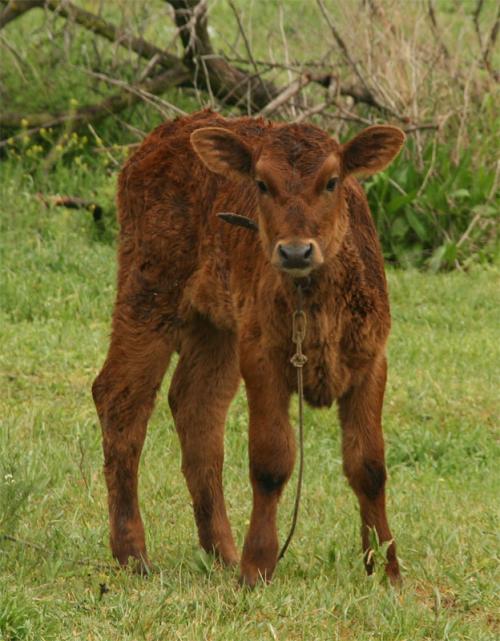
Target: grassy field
441,422
57,579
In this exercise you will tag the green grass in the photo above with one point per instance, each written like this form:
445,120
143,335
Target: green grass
441,415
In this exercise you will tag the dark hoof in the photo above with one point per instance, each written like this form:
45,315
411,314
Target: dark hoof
251,576
136,563
395,578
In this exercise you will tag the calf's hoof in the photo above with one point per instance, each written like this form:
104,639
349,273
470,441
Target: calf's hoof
137,564
132,556
251,575
225,553
258,561
228,560
394,576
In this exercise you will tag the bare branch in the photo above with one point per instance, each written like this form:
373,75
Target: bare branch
202,67
110,32
365,89
378,13
432,126
287,93
435,29
492,38
486,47
313,111
14,9
93,113
228,84
475,18
248,47
284,39
96,25
342,46
190,16
162,105
490,44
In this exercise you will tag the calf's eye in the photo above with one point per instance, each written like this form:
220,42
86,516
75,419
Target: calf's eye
330,185
262,187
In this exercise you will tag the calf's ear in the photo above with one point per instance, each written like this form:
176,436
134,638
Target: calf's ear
372,150
222,151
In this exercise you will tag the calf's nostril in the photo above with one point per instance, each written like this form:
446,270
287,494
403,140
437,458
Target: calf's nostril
282,252
308,252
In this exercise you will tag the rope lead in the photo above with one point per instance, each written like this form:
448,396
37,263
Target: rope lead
298,360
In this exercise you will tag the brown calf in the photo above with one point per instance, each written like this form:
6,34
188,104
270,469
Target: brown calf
223,296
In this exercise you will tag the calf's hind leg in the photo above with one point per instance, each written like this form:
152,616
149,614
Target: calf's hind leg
203,385
360,413
124,394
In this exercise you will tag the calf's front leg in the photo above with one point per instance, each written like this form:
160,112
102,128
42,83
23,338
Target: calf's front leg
272,456
360,413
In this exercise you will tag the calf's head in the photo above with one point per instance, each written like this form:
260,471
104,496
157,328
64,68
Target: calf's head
298,173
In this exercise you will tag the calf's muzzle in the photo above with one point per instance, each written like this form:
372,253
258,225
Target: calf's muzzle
297,258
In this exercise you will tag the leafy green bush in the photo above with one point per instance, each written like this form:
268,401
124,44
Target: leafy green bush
440,216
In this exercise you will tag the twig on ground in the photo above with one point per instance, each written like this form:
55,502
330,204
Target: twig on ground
101,147
16,56
15,539
421,127
72,202
378,13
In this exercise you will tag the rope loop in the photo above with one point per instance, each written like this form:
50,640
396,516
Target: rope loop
299,326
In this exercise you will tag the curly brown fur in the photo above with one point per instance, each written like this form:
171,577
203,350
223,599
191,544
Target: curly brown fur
216,294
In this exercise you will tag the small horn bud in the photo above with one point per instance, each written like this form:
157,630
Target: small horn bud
240,221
